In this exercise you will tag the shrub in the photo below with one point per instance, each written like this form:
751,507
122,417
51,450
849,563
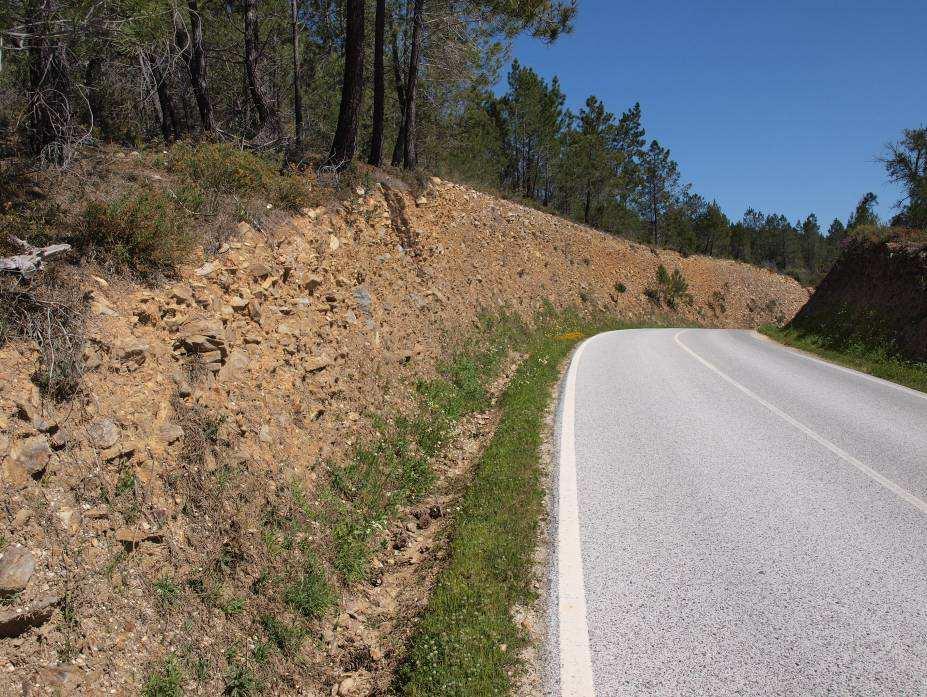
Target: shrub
145,230
292,192
50,311
620,287
221,167
670,288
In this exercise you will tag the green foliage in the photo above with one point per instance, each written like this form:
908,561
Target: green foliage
879,359
456,647
287,638
224,169
220,167
145,230
671,288
310,594
164,682
168,591
906,165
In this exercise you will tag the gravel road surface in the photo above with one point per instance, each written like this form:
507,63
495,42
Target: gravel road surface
735,517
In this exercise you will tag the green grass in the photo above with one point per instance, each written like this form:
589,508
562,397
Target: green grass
879,361
164,682
457,649
309,594
394,469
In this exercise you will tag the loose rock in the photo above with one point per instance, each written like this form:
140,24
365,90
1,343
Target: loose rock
17,564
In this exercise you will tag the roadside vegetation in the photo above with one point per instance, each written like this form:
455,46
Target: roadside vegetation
877,360
467,642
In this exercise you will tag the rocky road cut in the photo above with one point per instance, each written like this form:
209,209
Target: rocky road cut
735,517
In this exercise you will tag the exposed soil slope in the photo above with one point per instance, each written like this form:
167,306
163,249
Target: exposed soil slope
279,349
877,293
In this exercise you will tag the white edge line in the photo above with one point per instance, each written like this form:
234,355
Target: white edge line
575,657
837,450
842,368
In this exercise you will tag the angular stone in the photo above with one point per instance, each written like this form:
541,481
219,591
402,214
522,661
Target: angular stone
60,439
235,366
182,294
103,433
64,680
17,564
32,455
259,270
20,619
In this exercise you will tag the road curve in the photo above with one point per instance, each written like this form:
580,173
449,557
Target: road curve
734,517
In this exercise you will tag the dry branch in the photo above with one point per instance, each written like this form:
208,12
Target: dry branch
34,258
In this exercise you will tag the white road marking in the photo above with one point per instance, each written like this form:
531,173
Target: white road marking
575,657
865,376
844,455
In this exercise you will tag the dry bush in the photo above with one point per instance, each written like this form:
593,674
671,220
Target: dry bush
145,230
51,311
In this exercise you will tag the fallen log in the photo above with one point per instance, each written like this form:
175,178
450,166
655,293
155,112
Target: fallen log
34,258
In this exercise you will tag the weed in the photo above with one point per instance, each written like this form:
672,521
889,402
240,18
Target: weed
165,681
239,681
167,590
310,595
292,193
125,483
285,637
620,287
232,606
455,650
51,312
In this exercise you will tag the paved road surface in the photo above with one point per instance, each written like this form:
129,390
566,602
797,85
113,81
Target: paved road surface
745,520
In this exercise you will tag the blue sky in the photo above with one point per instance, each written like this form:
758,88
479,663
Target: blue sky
779,105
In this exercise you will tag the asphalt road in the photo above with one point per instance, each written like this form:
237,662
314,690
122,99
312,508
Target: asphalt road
734,517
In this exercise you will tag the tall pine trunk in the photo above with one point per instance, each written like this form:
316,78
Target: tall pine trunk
297,94
379,86
267,118
410,155
169,127
400,145
197,68
344,144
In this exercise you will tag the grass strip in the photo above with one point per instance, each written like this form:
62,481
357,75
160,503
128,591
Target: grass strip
466,642
874,360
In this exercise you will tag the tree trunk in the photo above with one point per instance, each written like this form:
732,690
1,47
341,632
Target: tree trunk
94,97
197,67
410,156
169,127
344,144
587,206
266,117
49,87
297,94
379,86
400,146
